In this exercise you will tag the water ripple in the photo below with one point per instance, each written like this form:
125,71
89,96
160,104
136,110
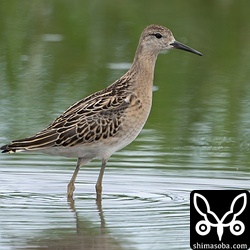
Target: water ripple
145,197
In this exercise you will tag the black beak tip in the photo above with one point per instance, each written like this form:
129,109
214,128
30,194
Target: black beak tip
198,53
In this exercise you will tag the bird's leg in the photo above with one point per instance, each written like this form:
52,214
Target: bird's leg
98,186
71,185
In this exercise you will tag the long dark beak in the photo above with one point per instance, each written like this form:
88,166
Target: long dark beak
178,45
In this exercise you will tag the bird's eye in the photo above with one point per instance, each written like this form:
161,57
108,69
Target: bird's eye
158,35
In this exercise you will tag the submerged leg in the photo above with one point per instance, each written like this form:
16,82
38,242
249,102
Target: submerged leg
71,185
98,186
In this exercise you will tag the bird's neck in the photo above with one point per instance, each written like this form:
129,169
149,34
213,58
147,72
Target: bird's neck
143,69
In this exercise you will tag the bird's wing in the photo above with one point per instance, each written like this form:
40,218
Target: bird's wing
96,117
90,120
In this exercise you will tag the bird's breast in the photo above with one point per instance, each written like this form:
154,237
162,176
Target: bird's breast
136,115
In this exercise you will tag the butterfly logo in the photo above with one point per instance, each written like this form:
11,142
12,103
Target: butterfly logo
210,219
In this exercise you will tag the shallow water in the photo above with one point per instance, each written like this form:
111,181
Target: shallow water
145,203
197,136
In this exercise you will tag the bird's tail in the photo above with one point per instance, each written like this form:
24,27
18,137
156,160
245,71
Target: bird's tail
41,140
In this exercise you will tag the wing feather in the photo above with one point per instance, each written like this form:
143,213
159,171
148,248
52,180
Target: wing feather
96,117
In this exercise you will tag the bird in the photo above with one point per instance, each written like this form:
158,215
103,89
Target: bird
108,120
